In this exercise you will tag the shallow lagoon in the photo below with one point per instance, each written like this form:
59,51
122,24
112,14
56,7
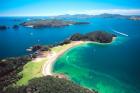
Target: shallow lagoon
108,68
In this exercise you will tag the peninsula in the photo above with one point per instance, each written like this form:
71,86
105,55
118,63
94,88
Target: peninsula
23,70
75,40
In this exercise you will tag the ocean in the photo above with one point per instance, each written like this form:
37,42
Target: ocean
107,68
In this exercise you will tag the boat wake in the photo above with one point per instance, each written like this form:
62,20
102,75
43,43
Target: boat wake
119,32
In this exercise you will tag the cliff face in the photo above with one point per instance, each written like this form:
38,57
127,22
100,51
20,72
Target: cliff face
96,36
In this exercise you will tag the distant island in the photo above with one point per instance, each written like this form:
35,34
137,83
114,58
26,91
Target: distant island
135,18
58,21
50,23
104,15
3,27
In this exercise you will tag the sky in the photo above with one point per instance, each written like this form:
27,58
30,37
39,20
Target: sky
60,7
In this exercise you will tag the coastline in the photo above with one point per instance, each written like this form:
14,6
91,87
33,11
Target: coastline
113,40
52,57
48,66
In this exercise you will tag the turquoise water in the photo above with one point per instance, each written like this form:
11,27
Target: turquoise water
107,68
110,68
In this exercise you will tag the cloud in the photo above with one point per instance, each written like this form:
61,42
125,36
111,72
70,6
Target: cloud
110,11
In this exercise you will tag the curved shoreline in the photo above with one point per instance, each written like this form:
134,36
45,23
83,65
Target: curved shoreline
48,66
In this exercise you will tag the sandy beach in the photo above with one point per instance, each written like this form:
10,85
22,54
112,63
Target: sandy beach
52,56
48,66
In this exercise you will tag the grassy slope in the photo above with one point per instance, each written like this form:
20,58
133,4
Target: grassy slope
59,48
34,69
30,71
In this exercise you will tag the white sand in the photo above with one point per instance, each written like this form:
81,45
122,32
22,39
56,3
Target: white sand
48,66
52,57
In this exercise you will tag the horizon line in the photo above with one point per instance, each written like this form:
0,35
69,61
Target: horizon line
74,12
65,14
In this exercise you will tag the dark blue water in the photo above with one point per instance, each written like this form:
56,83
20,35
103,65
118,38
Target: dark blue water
15,42
120,60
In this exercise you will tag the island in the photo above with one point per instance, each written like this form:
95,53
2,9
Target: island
135,18
50,23
15,27
104,15
2,27
33,72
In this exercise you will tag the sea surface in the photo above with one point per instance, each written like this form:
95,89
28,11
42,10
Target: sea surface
107,68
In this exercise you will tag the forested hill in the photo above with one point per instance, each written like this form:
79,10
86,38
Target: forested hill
50,84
